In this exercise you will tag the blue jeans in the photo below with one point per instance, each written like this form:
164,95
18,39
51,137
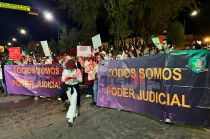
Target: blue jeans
95,89
4,85
90,87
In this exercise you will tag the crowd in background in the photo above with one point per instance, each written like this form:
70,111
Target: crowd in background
86,64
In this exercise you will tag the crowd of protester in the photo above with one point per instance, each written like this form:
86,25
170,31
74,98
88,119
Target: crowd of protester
77,71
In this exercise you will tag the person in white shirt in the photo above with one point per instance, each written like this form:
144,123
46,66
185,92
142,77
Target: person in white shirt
72,76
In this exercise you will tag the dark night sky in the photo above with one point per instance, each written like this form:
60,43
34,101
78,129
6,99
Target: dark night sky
200,24
40,29
36,26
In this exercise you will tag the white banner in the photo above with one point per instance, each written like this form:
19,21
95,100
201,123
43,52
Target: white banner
96,41
83,50
45,48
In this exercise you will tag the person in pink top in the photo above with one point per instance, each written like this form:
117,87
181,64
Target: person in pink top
89,68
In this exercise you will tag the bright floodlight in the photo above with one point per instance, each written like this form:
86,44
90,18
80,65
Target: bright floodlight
48,15
194,13
14,39
9,43
23,31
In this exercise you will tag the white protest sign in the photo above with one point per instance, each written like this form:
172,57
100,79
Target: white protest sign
83,50
96,41
45,48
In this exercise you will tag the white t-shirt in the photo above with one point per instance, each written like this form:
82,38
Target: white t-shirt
70,73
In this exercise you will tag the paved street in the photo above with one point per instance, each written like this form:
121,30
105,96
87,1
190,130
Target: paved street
22,117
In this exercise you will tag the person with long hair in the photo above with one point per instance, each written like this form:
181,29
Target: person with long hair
99,58
89,68
72,76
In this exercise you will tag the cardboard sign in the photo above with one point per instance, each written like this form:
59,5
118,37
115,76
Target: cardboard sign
83,50
14,53
96,41
45,48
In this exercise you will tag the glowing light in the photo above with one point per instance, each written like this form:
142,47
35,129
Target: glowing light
23,31
14,39
48,15
194,13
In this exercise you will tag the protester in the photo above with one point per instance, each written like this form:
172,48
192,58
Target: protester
63,59
72,76
2,78
89,68
99,58
118,57
131,55
30,61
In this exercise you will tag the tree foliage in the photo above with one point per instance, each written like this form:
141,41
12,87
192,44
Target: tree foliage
175,33
126,18
53,46
85,14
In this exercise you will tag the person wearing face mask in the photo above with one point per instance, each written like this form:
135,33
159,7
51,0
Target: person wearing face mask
72,76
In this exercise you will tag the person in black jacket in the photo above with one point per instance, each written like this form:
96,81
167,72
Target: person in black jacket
2,78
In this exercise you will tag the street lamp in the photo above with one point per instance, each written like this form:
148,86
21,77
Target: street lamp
24,32
9,43
49,16
14,39
207,41
192,14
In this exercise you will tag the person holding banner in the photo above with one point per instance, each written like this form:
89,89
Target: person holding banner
99,58
2,78
72,76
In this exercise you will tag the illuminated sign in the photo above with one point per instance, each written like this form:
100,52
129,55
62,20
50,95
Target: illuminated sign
15,6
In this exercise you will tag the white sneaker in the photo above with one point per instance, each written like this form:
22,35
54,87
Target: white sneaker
88,95
70,122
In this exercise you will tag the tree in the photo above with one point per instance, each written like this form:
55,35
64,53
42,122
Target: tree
85,14
125,18
118,13
175,33
53,46
64,40
150,17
